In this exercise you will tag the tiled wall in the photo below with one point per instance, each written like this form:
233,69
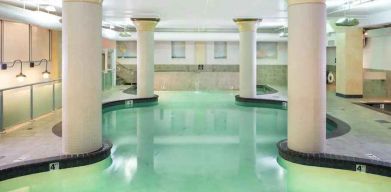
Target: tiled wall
378,88
190,77
272,75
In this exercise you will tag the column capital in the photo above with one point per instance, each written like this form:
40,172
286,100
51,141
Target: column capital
247,24
294,2
85,1
145,24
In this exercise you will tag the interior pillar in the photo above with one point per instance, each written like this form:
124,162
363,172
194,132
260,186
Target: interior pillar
145,55
81,49
248,56
349,62
307,75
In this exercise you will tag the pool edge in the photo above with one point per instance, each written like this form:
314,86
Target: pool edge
64,161
34,166
326,160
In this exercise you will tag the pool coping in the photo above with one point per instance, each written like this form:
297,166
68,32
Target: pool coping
326,160
57,162
275,103
364,104
34,166
131,101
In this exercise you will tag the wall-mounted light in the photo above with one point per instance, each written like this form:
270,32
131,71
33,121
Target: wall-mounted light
46,73
20,77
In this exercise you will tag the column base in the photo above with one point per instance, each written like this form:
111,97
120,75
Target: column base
348,96
332,161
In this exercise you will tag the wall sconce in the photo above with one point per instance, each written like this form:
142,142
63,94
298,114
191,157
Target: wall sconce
46,73
20,77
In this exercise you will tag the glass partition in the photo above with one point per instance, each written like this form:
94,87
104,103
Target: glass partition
58,95
107,80
16,106
42,99
24,103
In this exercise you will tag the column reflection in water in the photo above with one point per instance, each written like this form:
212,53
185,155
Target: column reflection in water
145,146
247,147
247,151
271,128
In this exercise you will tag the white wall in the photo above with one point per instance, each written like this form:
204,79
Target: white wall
331,55
15,35
282,56
163,55
232,54
8,77
377,52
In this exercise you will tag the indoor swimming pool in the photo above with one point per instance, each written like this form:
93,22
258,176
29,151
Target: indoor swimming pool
196,141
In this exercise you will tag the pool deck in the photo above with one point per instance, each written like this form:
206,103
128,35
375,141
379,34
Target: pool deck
369,138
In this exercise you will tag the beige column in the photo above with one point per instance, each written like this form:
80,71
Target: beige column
81,75
349,62
307,75
248,57
56,54
145,55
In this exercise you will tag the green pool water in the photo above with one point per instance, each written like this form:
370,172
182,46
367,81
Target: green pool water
196,142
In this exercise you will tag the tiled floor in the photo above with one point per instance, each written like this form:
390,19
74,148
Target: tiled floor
368,137
33,140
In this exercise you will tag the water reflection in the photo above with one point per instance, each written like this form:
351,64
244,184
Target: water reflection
201,149
203,144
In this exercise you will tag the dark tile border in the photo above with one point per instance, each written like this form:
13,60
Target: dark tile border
130,102
340,127
324,159
333,161
68,161
279,104
271,89
367,105
65,161
349,96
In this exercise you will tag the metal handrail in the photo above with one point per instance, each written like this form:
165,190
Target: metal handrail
31,85
123,67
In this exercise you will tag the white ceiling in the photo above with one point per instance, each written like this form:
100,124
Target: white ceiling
196,13
211,14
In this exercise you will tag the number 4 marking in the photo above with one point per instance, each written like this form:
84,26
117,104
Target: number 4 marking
54,166
361,168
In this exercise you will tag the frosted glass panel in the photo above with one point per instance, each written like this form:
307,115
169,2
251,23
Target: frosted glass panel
58,95
43,99
178,49
220,50
16,106
107,80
